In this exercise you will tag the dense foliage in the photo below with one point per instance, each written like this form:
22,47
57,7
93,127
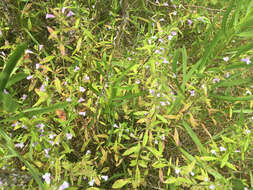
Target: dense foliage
126,94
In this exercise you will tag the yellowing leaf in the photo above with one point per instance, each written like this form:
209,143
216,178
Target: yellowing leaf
120,183
58,85
52,33
62,49
47,59
176,137
159,26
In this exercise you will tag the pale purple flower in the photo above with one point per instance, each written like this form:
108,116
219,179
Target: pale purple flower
40,47
37,66
237,151
51,142
80,100
157,2
83,113
174,13
173,33
247,131
28,51
189,21
246,60
76,68
212,187
65,83
70,13
69,136
46,152
63,9
129,58
213,152
162,103
160,40
91,183
170,37
201,19
227,75
192,92
165,4
68,99
158,51
15,124
51,136
24,126
158,95
226,58
46,177
115,126
1,33
29,77
104,177
215,80
19,145
192,173
222,149
65,185
151,92
165,60
42,88
82,89
49,16
163,137
156,141
137,81
86,78
5,91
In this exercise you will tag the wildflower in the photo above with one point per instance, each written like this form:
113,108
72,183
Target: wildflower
51,136
189,21
174,13
63,10
163,137
82,89
206,179
247,131
76,68
226,58
177,171
46,152
227,75
86,78
213,152
222,149
157,2
158,95
158,51
42,88
248,92
129,58
192,92
170,37
80,100
28,51
215,80
165,4
246,60
40,47
51,142
156,63
37,66
165,60
83,113
162,103
29,77
24,126
151,91
104,177
1,33
69,136
64,185
149,41
137,81
212,187
168,102
173,33
49,16
19,145
5,91
68,99
70,13
65,83
88,152
160,40
46,177
192,173
91,183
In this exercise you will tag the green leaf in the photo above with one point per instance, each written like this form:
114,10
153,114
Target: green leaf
159,164
155,152
16,78
9,104
145,138
120,183
47,59
10,65
237,184
194,138
131,150
231,98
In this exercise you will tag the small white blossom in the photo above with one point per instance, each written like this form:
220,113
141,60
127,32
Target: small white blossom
177,171
91,183
46,177
104,177
69,136
222,149
226,59
81,89
212,187
65,185
213,152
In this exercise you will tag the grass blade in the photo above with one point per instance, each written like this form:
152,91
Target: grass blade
194,138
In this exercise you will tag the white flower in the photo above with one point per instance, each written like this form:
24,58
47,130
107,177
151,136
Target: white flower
212,187
213,152
192,173
226,59
83,113
46,177
82,89
19,145
29,77
64,185
177,171
91,183
104,177
222,149
68,99
247,131
69,136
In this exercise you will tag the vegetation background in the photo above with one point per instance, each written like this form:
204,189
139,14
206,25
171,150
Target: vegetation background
126,94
